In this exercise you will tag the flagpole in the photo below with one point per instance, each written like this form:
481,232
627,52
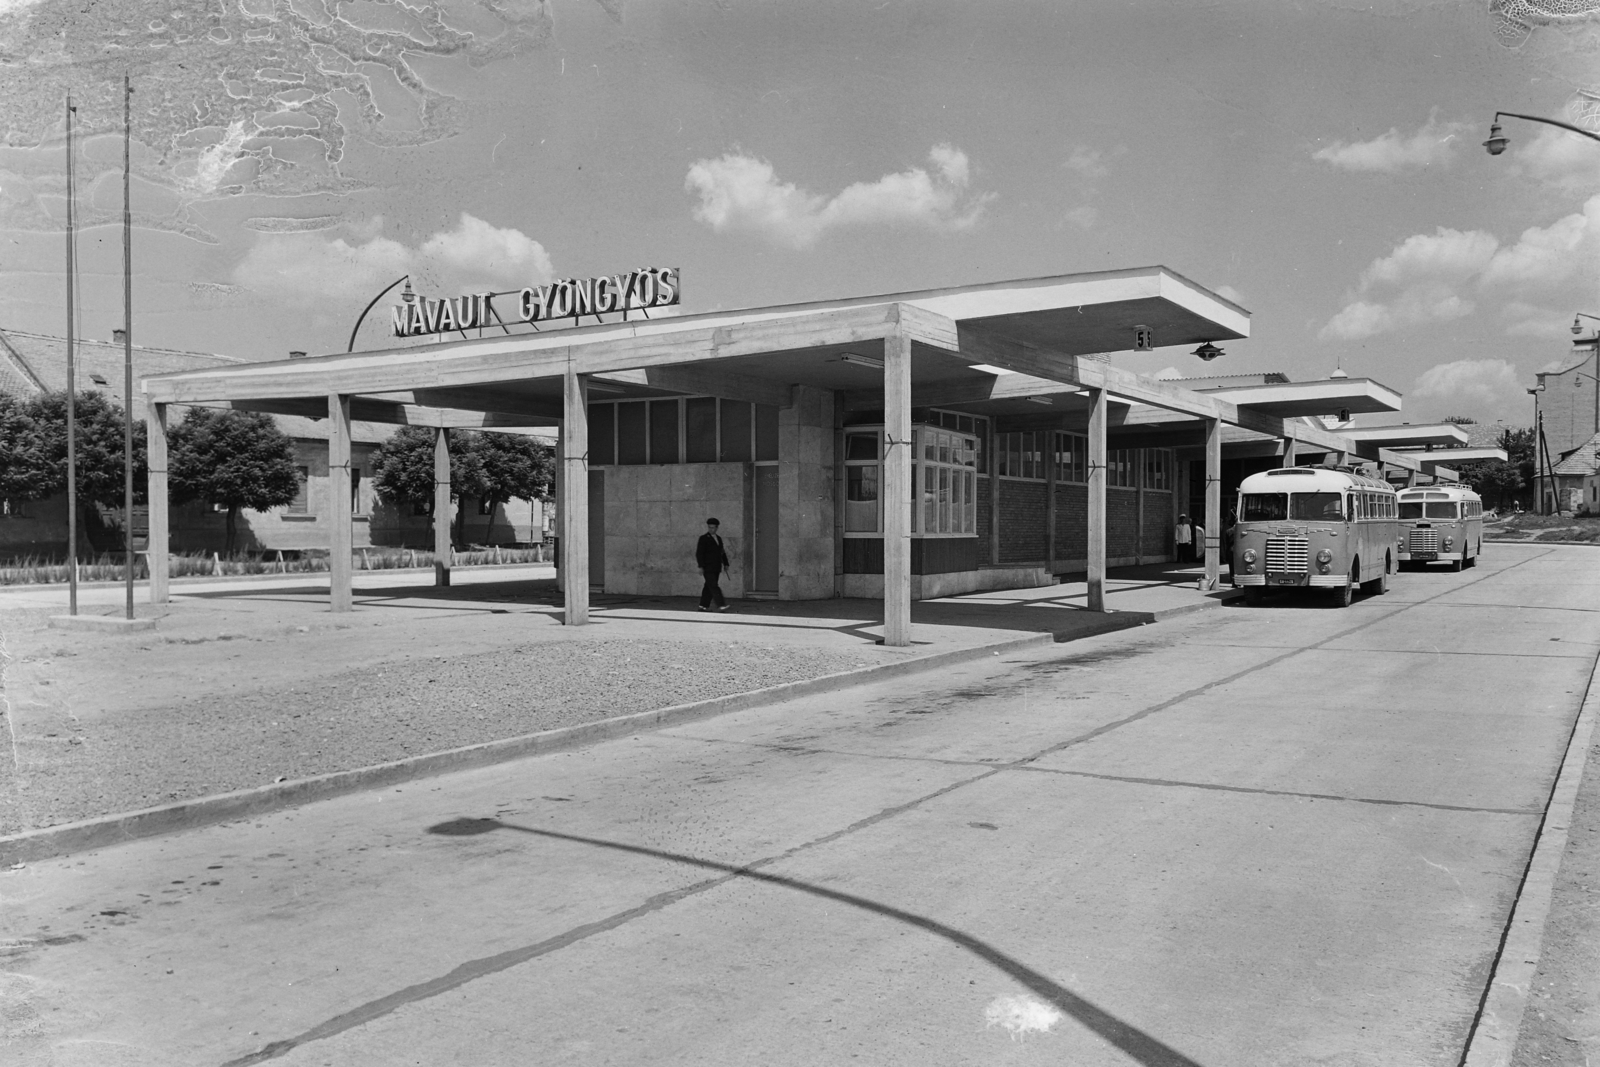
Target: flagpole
72,387
127,345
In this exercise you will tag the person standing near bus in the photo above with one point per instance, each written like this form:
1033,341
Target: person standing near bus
711,555
1183,539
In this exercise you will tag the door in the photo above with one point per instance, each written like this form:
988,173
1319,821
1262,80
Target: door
597,529
765,578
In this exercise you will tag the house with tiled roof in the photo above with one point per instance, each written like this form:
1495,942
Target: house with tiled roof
32,363
1577,478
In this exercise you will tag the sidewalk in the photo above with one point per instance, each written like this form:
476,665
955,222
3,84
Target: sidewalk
252,683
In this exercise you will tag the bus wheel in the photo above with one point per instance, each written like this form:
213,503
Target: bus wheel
1379,585
1457,564
1345,593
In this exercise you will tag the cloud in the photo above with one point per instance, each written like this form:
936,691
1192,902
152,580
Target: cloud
1392,153
1084,216
741,193
1228,292
473,257
1439,276
1556,158
1088,163
1530,320
1486,389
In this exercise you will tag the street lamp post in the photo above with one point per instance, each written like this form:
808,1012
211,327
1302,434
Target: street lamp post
1497,141
407,295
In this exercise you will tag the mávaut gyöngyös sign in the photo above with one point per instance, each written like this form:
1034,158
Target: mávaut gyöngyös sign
572,298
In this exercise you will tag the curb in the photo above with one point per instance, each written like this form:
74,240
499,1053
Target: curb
201,579
106,830
68,838
1493,1039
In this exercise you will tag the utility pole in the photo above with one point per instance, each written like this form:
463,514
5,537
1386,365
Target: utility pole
127,346
72,389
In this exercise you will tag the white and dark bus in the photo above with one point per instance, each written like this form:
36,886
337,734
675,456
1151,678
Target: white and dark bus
1315,528
1440,524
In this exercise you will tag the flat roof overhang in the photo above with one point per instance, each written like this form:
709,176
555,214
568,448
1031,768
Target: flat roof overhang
1452,456
1408,436
1038,323
1293,400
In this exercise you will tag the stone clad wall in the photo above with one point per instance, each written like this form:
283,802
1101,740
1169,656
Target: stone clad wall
653,516
806,496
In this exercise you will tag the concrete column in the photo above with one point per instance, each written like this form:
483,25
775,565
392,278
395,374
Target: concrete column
574,502
1138,544
1288,452
897,490
994,494
441,507
340,593
156,549
1213,501
1050,501
1097,500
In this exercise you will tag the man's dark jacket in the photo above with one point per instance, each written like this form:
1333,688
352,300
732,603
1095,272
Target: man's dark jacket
710,554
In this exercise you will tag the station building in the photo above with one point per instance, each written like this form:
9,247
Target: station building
904,446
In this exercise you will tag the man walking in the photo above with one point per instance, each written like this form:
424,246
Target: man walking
712,557
1183,538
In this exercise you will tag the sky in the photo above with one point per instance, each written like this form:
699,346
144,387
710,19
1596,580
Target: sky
1318,162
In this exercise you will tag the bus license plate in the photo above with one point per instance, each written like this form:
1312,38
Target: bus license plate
1424,555
1286,579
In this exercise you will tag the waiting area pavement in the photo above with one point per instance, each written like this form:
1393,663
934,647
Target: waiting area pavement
250,683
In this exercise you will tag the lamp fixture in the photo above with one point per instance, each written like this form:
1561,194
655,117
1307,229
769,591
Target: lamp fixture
1040,399
1497,141
860,360
1209,352
1577,325
408,294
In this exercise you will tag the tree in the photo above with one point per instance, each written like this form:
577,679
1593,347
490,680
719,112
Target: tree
1461,420
1496,481
239,459
489,466
33,448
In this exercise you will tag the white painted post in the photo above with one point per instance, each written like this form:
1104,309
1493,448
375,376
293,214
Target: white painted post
574,501
1213,502
340,581
898,492
1097,500
156,548
441,507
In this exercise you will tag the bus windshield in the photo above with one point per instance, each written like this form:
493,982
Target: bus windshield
1411,509
1263,507
1445,510
1316,506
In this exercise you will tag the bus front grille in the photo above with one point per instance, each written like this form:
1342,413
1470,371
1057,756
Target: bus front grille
1287,555
1423,541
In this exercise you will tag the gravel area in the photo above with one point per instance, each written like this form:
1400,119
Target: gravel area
202,743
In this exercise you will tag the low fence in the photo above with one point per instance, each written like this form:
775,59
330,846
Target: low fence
107,568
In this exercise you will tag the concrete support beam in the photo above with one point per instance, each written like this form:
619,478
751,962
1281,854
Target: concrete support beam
1288,452
1097,500
573,508
1050,501
1213,502
441,507
340,592
156,548
897,490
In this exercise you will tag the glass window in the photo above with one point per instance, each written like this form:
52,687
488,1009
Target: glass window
1441,511
663,431
1316,506
602,434
766,432
700,430
300,505
735,431
1263,507
355,492
1411,509
861,498
860,446
631,433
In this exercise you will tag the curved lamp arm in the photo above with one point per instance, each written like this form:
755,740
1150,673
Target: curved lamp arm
351,347
1497,141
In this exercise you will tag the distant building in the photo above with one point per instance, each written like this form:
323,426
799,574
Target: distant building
1577,478
1568,400
33,363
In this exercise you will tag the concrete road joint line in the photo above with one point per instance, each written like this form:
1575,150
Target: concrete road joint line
1493,1037
68,838
473,969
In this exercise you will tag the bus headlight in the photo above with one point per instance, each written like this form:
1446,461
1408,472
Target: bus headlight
1323,559
1448,541
1249,555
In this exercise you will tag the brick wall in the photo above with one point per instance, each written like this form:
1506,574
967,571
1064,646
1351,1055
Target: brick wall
1567,404
1159,521
985,515
1122,522
1022,521
1072,522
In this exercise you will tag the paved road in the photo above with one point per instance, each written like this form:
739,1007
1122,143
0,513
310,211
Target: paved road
1289,834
